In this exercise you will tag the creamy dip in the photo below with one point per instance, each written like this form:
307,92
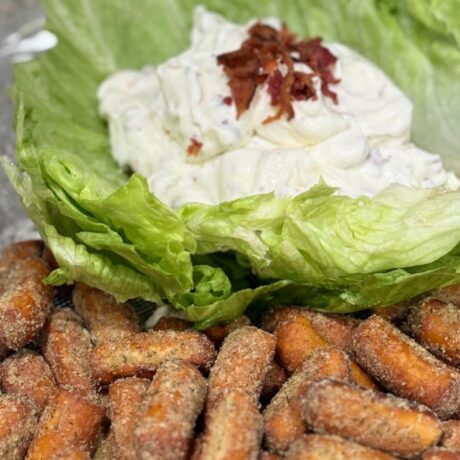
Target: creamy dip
359,145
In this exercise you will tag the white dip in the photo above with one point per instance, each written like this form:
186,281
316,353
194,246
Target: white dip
360,145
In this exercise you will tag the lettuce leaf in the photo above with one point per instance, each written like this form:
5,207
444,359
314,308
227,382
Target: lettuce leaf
318,249
319,234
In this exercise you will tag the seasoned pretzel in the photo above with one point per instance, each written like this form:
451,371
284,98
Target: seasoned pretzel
20,251
126,396
436,325
70,421
326,447
406,368
242,364
373,419
25,301
66,345
105,318
296,341
233,429
306,331
27,374
334,329
141,354
283,422
438,453
18,420
167,418
360,377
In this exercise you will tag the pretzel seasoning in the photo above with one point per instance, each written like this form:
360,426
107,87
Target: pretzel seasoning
105,318
18,420
405,367
27,374
234,428
24,301
242,363
370,418
70,420
436,325
176,396
126,396
334,329
141,354
66,345
296,341
283,422
326,447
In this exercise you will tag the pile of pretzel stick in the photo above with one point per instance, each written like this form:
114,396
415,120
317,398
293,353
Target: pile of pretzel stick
89,382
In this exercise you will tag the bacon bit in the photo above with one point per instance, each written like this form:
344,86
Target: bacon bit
259,59
303,88
228,100
275,83
194,148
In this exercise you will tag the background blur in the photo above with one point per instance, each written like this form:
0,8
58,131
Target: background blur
13,223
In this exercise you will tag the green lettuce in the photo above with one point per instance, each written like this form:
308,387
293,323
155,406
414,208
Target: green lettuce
319,234
318,249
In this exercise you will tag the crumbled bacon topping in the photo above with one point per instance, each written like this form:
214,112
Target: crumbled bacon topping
228,100
194,148
268,56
